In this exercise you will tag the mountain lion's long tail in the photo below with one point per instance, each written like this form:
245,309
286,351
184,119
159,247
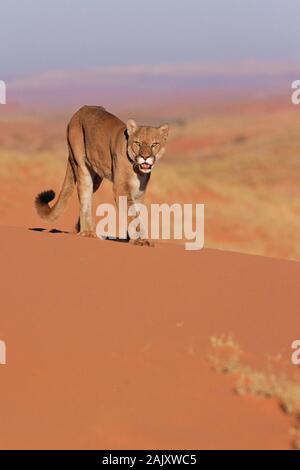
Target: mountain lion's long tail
42,200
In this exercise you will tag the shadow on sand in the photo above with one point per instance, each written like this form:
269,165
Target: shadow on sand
55,230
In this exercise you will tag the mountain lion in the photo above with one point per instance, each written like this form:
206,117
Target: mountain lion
102,146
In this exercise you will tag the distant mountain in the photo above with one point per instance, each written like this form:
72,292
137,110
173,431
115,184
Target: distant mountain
153,85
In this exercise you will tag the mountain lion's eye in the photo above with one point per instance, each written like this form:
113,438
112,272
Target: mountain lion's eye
137,143
155,144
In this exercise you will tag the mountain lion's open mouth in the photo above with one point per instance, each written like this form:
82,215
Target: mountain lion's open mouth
145,166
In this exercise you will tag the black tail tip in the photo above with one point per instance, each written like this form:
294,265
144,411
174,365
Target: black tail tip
45,197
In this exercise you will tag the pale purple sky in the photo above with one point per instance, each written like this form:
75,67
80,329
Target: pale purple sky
43,35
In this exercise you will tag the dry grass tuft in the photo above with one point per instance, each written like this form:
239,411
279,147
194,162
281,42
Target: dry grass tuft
227,357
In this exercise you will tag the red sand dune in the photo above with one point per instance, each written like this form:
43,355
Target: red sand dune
107,343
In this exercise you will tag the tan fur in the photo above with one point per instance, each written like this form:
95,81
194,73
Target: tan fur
102,146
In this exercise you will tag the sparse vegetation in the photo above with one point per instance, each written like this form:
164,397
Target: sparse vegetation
227,357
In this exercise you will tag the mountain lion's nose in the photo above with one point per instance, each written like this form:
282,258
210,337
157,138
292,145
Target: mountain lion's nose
145,152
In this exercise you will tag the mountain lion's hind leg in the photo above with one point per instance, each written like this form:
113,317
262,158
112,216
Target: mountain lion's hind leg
97,180
85,193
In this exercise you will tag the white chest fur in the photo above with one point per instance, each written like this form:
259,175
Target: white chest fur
138,185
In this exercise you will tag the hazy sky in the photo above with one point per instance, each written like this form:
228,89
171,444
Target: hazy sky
42,35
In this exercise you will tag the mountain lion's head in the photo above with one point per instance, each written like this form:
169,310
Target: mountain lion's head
145,145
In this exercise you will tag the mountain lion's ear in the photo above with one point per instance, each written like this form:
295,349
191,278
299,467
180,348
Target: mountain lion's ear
131,126
164,130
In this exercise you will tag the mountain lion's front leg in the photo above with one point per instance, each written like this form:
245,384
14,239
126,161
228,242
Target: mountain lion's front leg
136,230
